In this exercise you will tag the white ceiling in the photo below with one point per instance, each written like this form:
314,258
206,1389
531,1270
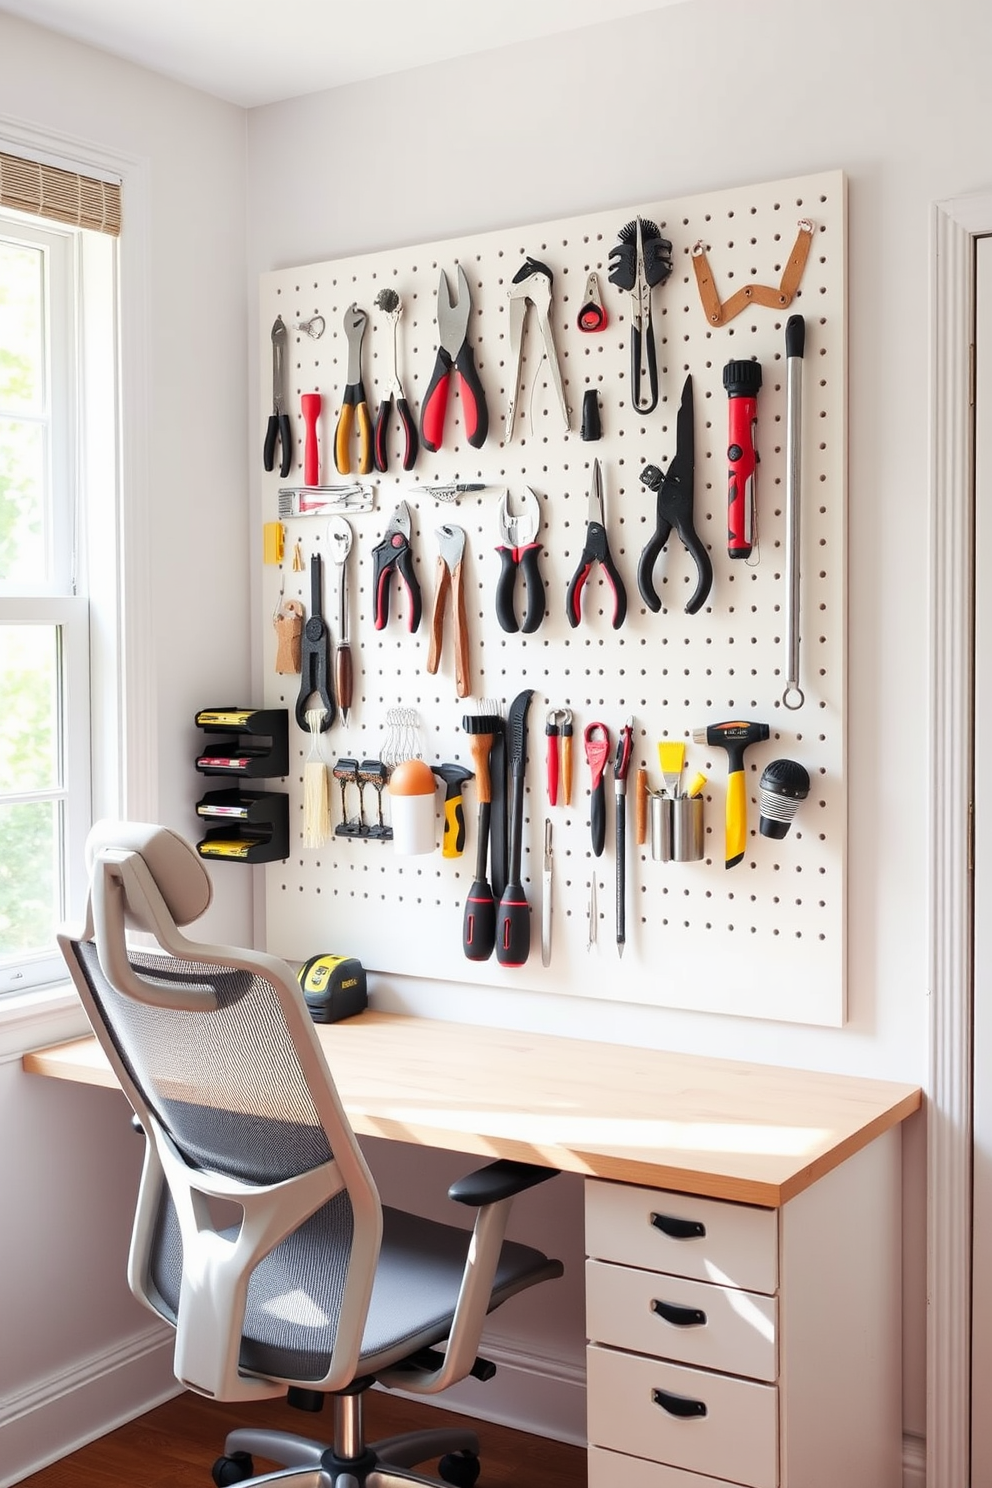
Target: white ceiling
253,52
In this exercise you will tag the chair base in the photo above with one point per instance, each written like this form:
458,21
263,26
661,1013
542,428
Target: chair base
351,1463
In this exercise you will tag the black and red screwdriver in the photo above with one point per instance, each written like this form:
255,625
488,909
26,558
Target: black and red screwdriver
742,381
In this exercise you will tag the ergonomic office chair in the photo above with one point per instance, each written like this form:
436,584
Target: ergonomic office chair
259,1233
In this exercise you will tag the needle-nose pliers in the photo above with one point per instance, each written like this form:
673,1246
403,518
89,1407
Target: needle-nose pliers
674,490
278,430
596,550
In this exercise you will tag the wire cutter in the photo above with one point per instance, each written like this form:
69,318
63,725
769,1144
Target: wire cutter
519,550
454,354
355,402
531,285
395,552
314,644
675,510
596,550
278,429
450,580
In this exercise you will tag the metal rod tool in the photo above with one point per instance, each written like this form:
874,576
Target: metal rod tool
795,344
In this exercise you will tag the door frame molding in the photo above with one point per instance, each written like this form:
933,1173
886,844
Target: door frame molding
955,224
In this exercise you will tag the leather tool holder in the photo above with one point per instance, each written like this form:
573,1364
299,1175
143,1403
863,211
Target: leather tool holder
720,313
288,625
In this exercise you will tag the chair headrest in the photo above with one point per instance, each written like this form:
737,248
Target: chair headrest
179,874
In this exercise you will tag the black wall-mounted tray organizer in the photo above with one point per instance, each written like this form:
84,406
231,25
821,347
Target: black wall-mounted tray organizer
251,743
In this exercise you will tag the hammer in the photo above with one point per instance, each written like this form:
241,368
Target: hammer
454,777
734,737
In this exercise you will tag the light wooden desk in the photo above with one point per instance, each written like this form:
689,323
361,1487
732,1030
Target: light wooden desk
765,1199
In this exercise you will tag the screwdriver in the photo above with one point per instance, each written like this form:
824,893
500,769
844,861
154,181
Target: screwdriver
621,765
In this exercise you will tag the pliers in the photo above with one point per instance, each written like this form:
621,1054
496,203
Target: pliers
531,285
519,550
278,429
394,552
675,510
454,354
390,304
313,655
450,580
596,550
355,402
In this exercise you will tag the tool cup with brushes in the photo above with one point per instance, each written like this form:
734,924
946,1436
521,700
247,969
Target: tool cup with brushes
641,260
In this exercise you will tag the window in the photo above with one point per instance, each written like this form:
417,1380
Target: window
48,432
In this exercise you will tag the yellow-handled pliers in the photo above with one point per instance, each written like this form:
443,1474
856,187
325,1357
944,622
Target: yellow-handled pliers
355,403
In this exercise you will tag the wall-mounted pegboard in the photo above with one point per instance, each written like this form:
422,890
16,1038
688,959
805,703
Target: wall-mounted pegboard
764,939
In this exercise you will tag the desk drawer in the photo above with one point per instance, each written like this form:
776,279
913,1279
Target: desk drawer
736,1438
706,1239
615,1470
688,1321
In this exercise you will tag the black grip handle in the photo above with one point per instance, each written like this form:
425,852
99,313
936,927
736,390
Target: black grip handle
683,1406
597,818
411,445
269,448
479,922
573,599
652,370
382,561
475,413
380,432
513,927
678,1229
504,590
704,570
536,597
645,567
286,439
795,336
679,1317
405,569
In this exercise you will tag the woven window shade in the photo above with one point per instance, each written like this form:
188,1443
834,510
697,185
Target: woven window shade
61,195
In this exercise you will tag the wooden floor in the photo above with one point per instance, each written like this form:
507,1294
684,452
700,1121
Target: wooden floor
174,1446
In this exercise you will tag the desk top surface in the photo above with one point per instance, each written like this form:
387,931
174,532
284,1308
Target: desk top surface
757,1134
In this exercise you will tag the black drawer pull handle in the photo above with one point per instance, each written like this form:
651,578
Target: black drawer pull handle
678,1405
679,1317
678,1229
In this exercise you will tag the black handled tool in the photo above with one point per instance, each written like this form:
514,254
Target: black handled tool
389,303
596,550
597,742
674,509
394,552
621,765
278,430
313,655
518,550
513,915
479,921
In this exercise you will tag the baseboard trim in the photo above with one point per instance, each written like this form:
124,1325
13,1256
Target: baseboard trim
64,1411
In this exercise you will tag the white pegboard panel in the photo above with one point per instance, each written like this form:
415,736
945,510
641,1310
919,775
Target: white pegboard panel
764,939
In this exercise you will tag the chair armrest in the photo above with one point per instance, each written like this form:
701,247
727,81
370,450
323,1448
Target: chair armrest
498,1180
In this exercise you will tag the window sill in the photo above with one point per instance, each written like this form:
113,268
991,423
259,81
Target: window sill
47,1015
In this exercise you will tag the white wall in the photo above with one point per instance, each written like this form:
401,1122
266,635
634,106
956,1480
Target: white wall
693,98
68,1162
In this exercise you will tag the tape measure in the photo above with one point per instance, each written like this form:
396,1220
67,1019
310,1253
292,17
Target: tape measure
334,987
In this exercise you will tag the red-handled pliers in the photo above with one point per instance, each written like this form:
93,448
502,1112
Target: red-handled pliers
596,550
394,552
597,741
454,354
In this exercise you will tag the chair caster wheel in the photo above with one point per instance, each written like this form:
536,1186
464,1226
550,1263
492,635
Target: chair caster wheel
461,1469
234,1469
